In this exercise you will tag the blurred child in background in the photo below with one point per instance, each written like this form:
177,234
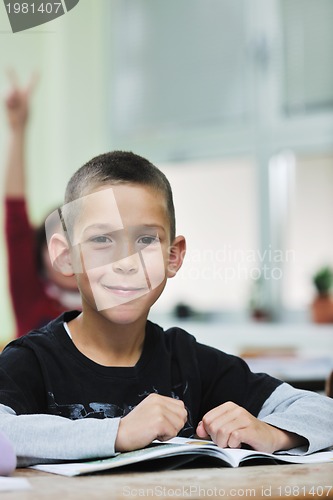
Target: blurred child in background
38,293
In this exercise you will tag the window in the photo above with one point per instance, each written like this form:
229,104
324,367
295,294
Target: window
309,227
308,45
219,89
216,210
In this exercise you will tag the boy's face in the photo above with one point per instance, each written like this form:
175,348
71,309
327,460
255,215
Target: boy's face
120,249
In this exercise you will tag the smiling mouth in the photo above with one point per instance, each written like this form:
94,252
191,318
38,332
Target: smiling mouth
125,291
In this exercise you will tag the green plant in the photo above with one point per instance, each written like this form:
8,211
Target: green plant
323,280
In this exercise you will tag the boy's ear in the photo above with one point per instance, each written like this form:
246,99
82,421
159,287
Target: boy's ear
176,256
60,254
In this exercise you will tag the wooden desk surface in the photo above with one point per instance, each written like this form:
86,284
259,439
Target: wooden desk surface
263,481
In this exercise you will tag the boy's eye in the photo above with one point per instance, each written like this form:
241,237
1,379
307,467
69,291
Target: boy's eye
100,239
148,240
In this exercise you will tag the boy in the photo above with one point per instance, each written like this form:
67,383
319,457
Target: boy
137,382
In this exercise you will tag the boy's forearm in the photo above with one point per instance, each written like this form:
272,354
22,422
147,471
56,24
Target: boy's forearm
41,438
15,167
300,413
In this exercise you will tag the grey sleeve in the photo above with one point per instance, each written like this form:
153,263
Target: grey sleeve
43,438
305,413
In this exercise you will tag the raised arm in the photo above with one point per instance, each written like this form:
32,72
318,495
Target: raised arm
17,110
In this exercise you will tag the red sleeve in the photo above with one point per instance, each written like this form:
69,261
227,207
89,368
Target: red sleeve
30,302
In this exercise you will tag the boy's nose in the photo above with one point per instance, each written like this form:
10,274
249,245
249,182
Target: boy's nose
129,265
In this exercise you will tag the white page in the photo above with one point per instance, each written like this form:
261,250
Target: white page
174,447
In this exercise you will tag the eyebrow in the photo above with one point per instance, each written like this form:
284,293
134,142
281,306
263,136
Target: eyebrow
110,228
101,227
151,226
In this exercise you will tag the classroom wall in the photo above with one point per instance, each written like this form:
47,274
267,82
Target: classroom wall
72,121
69,115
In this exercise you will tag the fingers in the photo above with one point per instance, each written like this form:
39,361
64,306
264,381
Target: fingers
228,425
17,101
16,89
165,416
235,439
14,92
201,431
169,415
156,417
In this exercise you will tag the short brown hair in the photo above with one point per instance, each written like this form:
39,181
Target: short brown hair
120,167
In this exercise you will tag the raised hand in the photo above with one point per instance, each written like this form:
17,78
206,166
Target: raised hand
156,417
17,110
17,101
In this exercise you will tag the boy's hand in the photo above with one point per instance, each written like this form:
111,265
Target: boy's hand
230,426
156,417
17,102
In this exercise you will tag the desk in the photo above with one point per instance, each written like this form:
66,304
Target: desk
263,481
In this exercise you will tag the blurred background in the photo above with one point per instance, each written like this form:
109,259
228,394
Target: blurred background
233,100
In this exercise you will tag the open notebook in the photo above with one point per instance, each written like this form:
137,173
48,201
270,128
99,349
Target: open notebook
179,452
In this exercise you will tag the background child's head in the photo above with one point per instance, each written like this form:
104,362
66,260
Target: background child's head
120,167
